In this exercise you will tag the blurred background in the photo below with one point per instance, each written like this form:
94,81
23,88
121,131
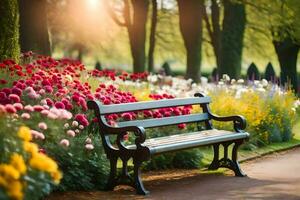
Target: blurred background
189,37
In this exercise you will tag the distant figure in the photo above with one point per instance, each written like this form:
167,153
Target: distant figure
252,72
167,69
98,66
270,74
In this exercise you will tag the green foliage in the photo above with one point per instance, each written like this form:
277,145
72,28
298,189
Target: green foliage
9,26
270,74
252,72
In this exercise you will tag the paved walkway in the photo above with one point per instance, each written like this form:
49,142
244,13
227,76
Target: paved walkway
272,177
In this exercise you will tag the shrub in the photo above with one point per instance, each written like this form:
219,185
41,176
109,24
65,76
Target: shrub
25,173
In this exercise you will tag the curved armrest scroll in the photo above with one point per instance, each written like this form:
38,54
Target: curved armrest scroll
239,122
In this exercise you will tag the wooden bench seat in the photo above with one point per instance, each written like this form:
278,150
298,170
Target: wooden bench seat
145,147
189,140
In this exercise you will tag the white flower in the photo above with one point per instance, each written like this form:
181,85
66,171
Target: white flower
264,82
77,131
226,78
204,80
75,123
220,83
81,127
88,140
66,125
240,81
89,146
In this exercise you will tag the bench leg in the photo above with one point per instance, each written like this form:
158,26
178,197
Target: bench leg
111,183
139,186
225,161
235,164
215,163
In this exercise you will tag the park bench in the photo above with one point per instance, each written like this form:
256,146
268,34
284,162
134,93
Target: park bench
144,147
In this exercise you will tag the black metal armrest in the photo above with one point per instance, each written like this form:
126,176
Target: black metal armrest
138,131
239,122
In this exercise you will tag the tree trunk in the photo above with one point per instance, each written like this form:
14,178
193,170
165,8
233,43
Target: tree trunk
287,52
152,36
137,34
9,30
190,19
234,22
216,34
34,34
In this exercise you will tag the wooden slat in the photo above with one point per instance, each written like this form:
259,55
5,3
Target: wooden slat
200,142
157,122
184,137
190,140
119,108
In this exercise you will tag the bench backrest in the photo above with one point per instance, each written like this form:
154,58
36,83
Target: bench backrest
149,105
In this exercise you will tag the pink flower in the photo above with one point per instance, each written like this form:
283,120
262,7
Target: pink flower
42,91
10,108
18,106
43,126
45,112
2,109
48,89
71,133
15,98
89,146
38,108
64,142
52,115
25,115
37,135
29,108
29,90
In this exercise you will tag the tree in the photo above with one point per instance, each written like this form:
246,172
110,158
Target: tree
190,21
134,14
227,38
34,34
281,21
152,36
9,26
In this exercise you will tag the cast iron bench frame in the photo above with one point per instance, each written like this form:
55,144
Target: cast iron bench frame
144,149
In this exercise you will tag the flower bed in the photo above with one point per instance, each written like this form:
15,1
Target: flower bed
49,96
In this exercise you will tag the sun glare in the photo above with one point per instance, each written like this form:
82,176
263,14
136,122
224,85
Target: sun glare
93,3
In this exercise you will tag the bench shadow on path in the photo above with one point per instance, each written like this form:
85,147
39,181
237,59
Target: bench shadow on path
199,186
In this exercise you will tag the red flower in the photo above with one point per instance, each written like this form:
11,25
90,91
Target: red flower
181,126
59,105
127,116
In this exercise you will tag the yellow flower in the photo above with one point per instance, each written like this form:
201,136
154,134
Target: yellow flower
15,190
18,163
30,148
3,182
42,162
56,176
9,172
24,133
